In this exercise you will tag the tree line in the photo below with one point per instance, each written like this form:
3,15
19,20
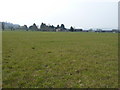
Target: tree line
34,27
50,28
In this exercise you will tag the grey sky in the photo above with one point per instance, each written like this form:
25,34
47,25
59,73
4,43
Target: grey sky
78,13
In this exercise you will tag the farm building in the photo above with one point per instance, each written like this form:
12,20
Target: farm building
58,29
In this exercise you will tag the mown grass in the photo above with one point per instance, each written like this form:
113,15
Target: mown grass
0,59
60,60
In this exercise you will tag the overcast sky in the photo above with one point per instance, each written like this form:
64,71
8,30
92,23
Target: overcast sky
76,13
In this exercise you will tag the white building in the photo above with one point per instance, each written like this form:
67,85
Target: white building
58,30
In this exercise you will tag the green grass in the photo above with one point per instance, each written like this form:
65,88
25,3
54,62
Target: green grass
0,59
60,60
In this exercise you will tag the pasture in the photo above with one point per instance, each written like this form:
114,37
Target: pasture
59,59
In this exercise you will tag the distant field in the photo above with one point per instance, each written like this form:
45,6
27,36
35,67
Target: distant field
60,60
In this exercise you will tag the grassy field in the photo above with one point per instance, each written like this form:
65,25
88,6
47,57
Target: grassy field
60,60
0,59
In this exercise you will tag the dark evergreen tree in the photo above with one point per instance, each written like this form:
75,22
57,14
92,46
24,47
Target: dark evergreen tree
3,26
62,26
71,29
24,27
35,27
58,26
30,27
43,27
81,29
51,28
